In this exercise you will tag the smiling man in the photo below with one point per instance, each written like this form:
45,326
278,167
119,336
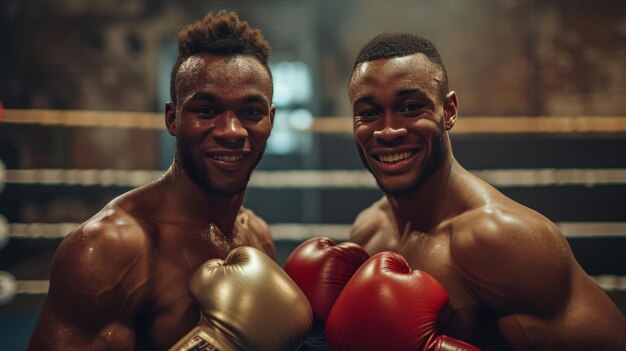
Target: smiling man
510,276
121,280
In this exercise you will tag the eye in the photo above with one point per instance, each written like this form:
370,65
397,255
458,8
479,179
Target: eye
207,112
253,113
367,114
411,109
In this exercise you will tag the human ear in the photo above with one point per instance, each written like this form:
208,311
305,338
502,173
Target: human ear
170,118
272,112
450,105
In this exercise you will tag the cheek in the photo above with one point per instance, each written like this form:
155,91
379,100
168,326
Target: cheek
190,125
362,133
426,128
261,131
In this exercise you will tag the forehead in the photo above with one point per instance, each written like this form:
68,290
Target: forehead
396,73
222,74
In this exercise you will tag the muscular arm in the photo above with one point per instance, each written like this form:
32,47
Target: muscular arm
94,291
522,268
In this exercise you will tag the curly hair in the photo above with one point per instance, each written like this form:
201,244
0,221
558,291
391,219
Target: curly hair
388,45
222,34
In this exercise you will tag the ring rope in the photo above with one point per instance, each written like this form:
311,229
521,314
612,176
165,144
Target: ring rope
297,231
313,178
40,287
465,125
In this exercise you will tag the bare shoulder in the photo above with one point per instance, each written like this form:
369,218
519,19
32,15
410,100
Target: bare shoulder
105,256
253,222
257,229
511,256
519,265
373,220
98,284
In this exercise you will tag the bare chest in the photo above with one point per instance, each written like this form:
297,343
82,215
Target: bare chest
464,317
172,312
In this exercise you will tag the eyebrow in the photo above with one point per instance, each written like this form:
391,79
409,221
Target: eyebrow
203,95
401,93
256,98
410,91
366,98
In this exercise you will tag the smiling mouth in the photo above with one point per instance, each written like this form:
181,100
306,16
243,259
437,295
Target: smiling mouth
397,157
227,158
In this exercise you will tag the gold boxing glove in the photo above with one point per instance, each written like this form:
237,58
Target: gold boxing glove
247,302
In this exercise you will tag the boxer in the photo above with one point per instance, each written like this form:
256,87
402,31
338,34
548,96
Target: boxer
512,280
120,280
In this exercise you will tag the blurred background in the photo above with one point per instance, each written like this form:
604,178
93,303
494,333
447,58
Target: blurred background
541,88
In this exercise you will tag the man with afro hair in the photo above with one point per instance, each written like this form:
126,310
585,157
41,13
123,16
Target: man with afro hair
125,278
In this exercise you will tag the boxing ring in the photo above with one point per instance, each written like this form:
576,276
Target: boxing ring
12,285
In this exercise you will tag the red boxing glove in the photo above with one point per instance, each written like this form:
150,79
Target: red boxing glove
321,268
386,306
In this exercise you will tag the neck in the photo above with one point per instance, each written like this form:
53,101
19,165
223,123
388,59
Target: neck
424,208
192,204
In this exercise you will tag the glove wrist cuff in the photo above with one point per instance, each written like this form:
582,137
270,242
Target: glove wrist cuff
446,343
204,338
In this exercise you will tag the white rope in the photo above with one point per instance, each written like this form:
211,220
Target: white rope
32,287
503,178
610,282
339,124
297,231
301,232
40,287
312,179
550,177
82,177
587,229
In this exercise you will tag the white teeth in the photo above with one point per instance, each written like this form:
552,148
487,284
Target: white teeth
395,157
227,158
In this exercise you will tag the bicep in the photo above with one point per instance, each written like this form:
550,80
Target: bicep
88,305
526,274
585,319
63,328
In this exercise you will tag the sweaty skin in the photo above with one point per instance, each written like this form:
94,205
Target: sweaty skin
120,281
511,277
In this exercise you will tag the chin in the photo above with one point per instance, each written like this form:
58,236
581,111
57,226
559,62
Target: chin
226,190
396,188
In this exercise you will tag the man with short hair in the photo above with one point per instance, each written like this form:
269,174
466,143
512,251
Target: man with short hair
512,280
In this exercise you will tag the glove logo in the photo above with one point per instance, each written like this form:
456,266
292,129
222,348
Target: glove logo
197,343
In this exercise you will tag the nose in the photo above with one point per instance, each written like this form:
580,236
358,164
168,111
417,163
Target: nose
229,128
390,129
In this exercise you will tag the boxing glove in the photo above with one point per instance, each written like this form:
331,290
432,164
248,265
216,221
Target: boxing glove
321,268
247,302
387,306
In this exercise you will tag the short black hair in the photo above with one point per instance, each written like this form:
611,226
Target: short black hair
222,34
397,44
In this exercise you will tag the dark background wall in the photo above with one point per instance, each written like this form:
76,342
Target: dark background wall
537,57
504,58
